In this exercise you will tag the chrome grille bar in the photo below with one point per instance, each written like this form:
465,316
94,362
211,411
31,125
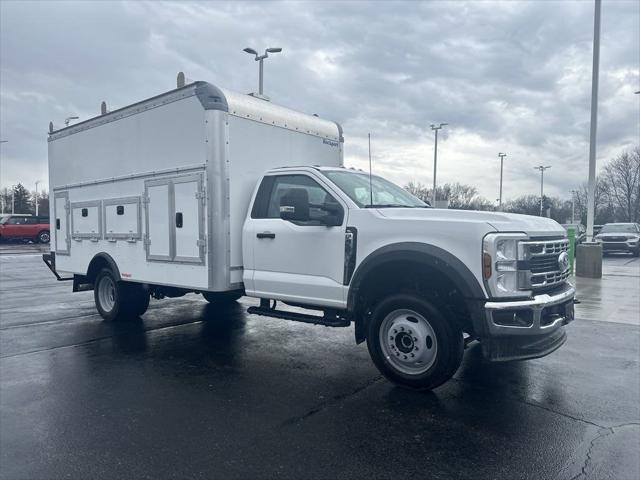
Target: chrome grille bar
542,257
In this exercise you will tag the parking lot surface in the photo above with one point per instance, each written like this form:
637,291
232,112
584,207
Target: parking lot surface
189,391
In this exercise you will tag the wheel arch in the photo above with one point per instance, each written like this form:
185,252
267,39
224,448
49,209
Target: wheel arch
100,261
420,256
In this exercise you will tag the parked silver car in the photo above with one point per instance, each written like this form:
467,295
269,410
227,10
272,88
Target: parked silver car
620,237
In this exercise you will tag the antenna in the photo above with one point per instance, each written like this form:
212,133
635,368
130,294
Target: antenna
370,181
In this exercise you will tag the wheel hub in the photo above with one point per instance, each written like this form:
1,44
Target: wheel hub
408,341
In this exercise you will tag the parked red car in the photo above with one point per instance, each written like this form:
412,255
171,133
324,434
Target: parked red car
24,227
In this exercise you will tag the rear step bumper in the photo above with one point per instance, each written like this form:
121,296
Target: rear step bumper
50,261
329,319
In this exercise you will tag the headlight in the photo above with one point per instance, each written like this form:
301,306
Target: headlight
500,264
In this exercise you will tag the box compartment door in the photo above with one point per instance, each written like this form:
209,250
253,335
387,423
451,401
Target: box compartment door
174,219
188,219
61,225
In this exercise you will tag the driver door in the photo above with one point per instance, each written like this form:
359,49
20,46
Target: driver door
297,261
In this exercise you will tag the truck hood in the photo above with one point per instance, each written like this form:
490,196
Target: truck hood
502,222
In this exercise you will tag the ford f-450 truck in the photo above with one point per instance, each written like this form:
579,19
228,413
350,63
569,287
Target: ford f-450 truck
209,191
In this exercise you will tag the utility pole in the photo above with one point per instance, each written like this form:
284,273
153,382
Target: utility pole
435,161
573,205
542,169
13,200
501,155
591,189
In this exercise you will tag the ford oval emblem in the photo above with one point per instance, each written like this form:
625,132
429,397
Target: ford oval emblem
563,261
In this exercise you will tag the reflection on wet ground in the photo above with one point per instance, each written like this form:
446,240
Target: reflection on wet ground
189,390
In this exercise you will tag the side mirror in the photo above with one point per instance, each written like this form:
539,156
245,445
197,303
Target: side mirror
294,205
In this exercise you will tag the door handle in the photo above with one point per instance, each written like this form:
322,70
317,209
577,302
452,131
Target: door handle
178,219
266,235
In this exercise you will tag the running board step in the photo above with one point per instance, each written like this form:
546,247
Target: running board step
327,321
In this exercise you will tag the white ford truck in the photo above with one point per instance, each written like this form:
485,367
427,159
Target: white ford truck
205,190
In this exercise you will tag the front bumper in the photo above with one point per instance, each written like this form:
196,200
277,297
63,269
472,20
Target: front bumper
519,330
619,246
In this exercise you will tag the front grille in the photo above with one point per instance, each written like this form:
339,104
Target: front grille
540,266
614,239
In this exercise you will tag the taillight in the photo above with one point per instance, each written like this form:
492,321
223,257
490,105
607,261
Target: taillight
486,266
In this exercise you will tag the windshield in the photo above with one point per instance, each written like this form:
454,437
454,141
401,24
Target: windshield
385,194
619,228
3,219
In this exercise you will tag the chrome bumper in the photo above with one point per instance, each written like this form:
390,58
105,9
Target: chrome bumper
540,306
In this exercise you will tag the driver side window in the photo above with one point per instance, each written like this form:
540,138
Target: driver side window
319,198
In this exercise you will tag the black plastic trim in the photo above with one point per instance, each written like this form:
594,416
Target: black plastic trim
350,253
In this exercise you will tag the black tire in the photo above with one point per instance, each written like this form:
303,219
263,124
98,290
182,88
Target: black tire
137,299
221,298
110,296
43,237
449,342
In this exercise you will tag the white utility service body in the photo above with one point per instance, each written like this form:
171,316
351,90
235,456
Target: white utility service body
209,191
198,151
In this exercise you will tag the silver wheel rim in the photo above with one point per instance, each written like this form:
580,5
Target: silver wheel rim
44,237
107,294
408,342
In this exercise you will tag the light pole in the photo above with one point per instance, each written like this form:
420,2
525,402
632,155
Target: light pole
68,119
591,188
435,161
501,155
260,58
542,169
37,182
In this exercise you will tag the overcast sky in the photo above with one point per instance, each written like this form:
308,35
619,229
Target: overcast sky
510,77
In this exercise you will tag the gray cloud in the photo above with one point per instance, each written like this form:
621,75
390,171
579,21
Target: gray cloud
509,76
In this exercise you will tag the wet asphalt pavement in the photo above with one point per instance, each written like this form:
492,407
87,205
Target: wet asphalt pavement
191,392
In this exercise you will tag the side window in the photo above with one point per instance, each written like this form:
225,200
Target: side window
321,202
15,221
31,220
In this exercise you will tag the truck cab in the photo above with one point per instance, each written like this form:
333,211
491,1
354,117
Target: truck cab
417,281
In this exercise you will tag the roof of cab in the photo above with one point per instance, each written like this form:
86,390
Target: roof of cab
214,98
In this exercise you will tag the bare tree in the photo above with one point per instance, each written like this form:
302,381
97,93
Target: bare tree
460,195
622,179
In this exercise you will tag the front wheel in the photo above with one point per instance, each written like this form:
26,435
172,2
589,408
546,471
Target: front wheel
412,343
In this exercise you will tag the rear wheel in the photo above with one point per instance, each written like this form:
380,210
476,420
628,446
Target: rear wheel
221,298
43,237
116,300
108,294
138,298
412,343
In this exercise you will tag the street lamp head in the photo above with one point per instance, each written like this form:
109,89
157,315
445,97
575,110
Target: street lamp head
251,51
274,50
